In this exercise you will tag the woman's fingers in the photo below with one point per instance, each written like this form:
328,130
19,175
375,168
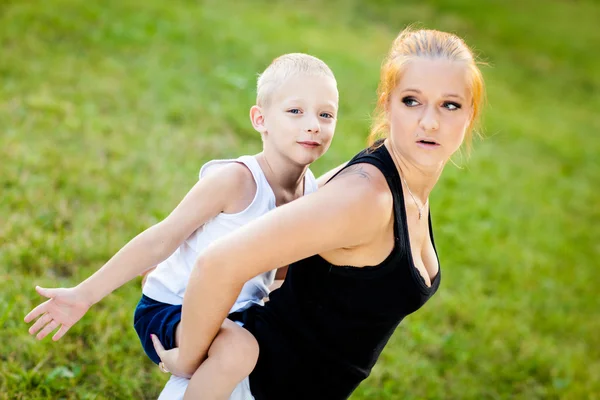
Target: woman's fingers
157,345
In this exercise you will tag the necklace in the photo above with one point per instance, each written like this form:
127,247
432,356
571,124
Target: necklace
415,200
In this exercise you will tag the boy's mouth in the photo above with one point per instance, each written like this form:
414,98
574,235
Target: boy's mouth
309,143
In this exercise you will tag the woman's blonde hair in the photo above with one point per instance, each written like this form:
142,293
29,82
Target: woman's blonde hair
429,44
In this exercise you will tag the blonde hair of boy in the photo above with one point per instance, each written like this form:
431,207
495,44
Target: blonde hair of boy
283,68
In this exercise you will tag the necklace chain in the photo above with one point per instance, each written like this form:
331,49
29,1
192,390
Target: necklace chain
415,199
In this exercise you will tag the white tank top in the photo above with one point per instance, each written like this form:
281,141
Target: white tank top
167,283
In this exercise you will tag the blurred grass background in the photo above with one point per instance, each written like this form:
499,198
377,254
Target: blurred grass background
108,109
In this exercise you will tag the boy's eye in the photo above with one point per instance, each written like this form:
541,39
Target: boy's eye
410,101
452,106
294,111
326,115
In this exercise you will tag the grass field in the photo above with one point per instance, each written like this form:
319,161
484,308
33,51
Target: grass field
108,109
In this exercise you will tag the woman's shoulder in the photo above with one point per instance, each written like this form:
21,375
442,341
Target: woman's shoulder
364,184
372,164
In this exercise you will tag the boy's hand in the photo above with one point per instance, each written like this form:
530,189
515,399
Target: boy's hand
169,359
65,307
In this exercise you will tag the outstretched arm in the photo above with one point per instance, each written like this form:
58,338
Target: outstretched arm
347,212
205,200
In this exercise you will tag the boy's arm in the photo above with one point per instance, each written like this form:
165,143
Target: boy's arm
210,196
328,175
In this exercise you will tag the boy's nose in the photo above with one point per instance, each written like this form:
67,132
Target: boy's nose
312,124
312,127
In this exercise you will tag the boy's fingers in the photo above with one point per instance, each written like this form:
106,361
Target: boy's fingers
47,329
40,323
49,293
61,332
36,312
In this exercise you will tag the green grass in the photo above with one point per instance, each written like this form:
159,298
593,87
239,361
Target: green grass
108,109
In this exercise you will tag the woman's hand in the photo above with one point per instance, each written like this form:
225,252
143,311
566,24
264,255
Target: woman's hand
64,308
170,359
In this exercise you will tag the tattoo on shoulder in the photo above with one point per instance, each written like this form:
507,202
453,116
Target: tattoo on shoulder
356,170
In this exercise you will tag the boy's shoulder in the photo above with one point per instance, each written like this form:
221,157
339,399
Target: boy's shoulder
231,173
237,183
233,170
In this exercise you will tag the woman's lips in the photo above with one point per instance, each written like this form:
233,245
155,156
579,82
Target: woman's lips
427,144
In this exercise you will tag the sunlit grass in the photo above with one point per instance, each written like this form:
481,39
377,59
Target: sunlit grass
108,110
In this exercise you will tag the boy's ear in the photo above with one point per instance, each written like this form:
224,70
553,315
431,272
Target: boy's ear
258,119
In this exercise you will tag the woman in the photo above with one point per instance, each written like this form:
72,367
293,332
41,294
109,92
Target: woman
361,249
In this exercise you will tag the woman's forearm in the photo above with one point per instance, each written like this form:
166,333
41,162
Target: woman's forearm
144,251
211,291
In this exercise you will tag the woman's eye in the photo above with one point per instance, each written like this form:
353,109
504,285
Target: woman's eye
410,102
294,111
451,105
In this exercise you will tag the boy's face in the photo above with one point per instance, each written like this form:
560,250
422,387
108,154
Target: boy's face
300,119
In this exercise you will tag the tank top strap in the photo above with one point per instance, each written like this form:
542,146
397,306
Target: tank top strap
252,164
264,194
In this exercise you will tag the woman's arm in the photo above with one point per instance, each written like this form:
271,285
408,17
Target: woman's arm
349,211
322,180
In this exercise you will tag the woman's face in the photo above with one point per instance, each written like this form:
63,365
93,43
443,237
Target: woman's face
429,111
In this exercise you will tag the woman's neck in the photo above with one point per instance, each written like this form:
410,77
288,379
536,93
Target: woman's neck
420,180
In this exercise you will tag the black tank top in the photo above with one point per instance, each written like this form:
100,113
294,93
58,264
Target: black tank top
323,330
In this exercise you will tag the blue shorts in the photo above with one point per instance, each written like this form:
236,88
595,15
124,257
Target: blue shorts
161,319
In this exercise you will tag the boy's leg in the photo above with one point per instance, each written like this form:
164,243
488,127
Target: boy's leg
231,358
160,319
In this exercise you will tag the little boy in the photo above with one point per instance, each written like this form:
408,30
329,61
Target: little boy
295,113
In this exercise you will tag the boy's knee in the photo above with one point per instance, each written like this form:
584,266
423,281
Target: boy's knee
237,352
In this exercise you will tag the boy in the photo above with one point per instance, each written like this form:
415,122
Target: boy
295,113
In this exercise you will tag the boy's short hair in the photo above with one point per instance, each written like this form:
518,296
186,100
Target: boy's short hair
285,67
